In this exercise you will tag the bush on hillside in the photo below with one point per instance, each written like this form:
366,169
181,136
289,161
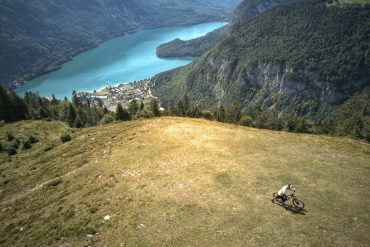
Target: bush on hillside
11,150
26,145
246,121
33,139
144,114
9,136
206,114
65,138
16,144
108,118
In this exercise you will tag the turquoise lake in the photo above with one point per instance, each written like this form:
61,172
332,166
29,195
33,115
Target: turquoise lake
119,60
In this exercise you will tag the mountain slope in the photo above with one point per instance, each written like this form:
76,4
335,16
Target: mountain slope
192,48
181,182
197,47
285,58
250,8
38,36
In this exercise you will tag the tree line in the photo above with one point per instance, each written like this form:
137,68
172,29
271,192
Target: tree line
351,119
77,113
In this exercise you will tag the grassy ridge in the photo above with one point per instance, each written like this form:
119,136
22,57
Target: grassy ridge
182,182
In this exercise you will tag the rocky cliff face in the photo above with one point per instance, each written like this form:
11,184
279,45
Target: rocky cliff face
38,36
274,80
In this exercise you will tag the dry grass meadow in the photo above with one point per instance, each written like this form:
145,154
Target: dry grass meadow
181,182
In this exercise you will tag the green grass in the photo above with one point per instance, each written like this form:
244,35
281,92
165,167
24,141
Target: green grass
181,182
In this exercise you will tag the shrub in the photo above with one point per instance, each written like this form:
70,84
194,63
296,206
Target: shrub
15,144
11,150
65,138
1,147
9,136
26,145
144,114
33,140
246,121
91,230
108,118
206,114
94,209
49,147
303,125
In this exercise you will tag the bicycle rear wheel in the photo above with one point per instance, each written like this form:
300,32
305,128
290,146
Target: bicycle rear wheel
274,197
298,203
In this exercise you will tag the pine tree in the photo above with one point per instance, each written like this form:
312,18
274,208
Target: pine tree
171,108
105,110
4,104
233,112
121,113
42,113
221,114
12,107
141,106
180,109
126,115
19,107
80,118
71,115
75,100
133,107
194,111
54,100
154,108
186,105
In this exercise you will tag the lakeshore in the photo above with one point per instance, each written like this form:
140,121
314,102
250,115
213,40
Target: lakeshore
123,93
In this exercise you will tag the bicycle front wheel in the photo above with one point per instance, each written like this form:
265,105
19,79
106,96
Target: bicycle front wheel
298,203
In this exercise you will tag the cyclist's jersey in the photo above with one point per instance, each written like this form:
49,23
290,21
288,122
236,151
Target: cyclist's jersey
285,191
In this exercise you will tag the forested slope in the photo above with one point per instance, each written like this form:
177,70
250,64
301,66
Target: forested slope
197,47
305,63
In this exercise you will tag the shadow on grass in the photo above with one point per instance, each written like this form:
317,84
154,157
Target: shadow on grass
290,208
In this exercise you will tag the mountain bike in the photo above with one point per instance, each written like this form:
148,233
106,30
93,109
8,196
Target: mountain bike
296,202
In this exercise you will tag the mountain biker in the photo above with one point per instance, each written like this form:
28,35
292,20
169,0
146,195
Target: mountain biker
284,192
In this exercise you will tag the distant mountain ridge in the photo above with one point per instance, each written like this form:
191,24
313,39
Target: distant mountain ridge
38,36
